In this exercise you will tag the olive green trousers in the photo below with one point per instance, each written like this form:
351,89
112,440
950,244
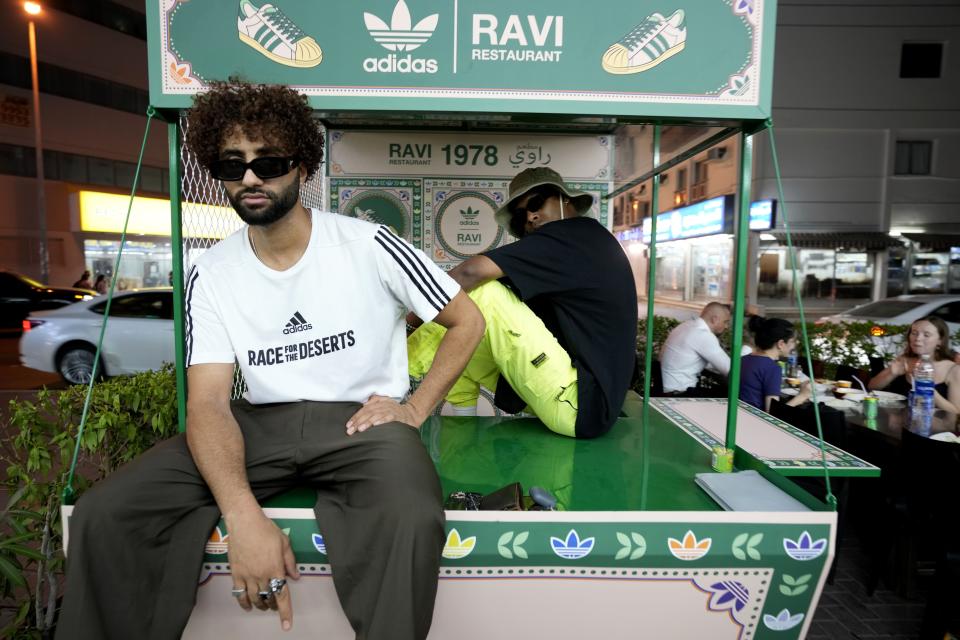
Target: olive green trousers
137,538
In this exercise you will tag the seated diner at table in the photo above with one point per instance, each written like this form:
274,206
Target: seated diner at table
927,336
760,373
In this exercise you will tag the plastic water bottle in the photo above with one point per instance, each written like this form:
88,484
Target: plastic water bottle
922,401
793,370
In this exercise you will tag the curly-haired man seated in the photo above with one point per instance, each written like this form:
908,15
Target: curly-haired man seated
311,306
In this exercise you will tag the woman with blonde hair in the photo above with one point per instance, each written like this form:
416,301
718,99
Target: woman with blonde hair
927,336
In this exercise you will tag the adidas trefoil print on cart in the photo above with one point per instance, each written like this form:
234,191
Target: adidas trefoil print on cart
647,45
273,34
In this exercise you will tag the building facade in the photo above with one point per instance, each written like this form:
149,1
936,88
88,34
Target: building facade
93,99
866,116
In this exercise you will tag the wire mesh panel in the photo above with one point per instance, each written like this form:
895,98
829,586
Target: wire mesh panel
207,216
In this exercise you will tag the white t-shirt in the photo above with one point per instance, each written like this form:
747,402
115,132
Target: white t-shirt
330,328
688,350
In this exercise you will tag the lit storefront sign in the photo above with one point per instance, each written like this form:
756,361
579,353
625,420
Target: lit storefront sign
106,212
629,235
701,219
761,214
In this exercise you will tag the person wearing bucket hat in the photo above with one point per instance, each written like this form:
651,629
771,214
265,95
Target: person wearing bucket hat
560,308
540,181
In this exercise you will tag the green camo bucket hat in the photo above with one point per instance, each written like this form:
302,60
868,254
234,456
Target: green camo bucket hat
535,177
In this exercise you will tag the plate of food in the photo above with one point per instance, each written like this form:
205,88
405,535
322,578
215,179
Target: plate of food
847,392
888,397
854,396
837,403
946,436
789,391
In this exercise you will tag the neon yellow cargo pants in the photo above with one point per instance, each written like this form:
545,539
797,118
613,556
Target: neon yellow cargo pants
516,345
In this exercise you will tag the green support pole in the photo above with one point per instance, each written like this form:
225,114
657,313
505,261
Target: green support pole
176,241
648,349
740,285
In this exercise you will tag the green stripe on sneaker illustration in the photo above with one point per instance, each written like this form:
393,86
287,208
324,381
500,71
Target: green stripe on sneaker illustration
647,44
273,34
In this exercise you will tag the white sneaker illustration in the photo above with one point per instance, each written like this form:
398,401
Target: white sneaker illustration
647,45
272,33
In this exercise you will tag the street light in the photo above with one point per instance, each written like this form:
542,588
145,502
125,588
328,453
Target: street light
33,9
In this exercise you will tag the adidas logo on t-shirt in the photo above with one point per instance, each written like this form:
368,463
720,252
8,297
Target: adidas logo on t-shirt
297,323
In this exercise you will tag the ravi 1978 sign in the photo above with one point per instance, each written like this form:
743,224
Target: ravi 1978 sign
682,59
365,153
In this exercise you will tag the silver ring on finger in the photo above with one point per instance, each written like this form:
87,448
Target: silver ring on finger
264,595
277,585
238,593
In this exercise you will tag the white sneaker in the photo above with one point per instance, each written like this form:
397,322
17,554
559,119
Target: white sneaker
272,33
647,45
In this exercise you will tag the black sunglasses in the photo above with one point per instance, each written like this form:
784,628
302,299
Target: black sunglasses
534,204
264,168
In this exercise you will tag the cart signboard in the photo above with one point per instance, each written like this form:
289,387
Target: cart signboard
685,60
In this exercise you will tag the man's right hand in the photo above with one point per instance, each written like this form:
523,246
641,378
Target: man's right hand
259,551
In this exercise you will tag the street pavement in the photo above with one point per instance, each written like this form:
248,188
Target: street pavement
15,378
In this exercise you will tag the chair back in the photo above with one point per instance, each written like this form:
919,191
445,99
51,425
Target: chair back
876,366
656,377
931,479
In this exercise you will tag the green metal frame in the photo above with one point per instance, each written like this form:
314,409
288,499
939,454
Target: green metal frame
740,286
176,240
746,134
746,131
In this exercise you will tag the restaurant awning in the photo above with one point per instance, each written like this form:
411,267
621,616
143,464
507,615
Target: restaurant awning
935,242
864,240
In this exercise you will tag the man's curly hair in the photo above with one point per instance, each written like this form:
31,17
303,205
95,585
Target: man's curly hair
273,113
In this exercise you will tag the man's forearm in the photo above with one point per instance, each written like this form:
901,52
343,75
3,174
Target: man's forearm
454,352
216,444
718,359
473,272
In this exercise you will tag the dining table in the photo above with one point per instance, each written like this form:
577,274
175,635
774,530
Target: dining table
891,421
893,414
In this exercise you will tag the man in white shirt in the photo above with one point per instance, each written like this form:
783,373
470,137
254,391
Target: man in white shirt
693,346
311,306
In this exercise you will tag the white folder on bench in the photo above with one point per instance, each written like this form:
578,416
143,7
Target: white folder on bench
747,491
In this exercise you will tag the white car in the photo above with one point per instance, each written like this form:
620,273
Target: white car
902,310
139,336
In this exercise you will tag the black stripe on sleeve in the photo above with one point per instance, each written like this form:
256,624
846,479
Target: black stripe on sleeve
427,295
191,281
422,270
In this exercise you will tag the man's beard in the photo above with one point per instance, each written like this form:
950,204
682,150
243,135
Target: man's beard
280,205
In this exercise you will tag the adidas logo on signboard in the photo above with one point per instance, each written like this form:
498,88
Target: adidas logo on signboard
400,35
296,324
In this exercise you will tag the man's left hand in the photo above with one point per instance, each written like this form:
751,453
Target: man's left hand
379,410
